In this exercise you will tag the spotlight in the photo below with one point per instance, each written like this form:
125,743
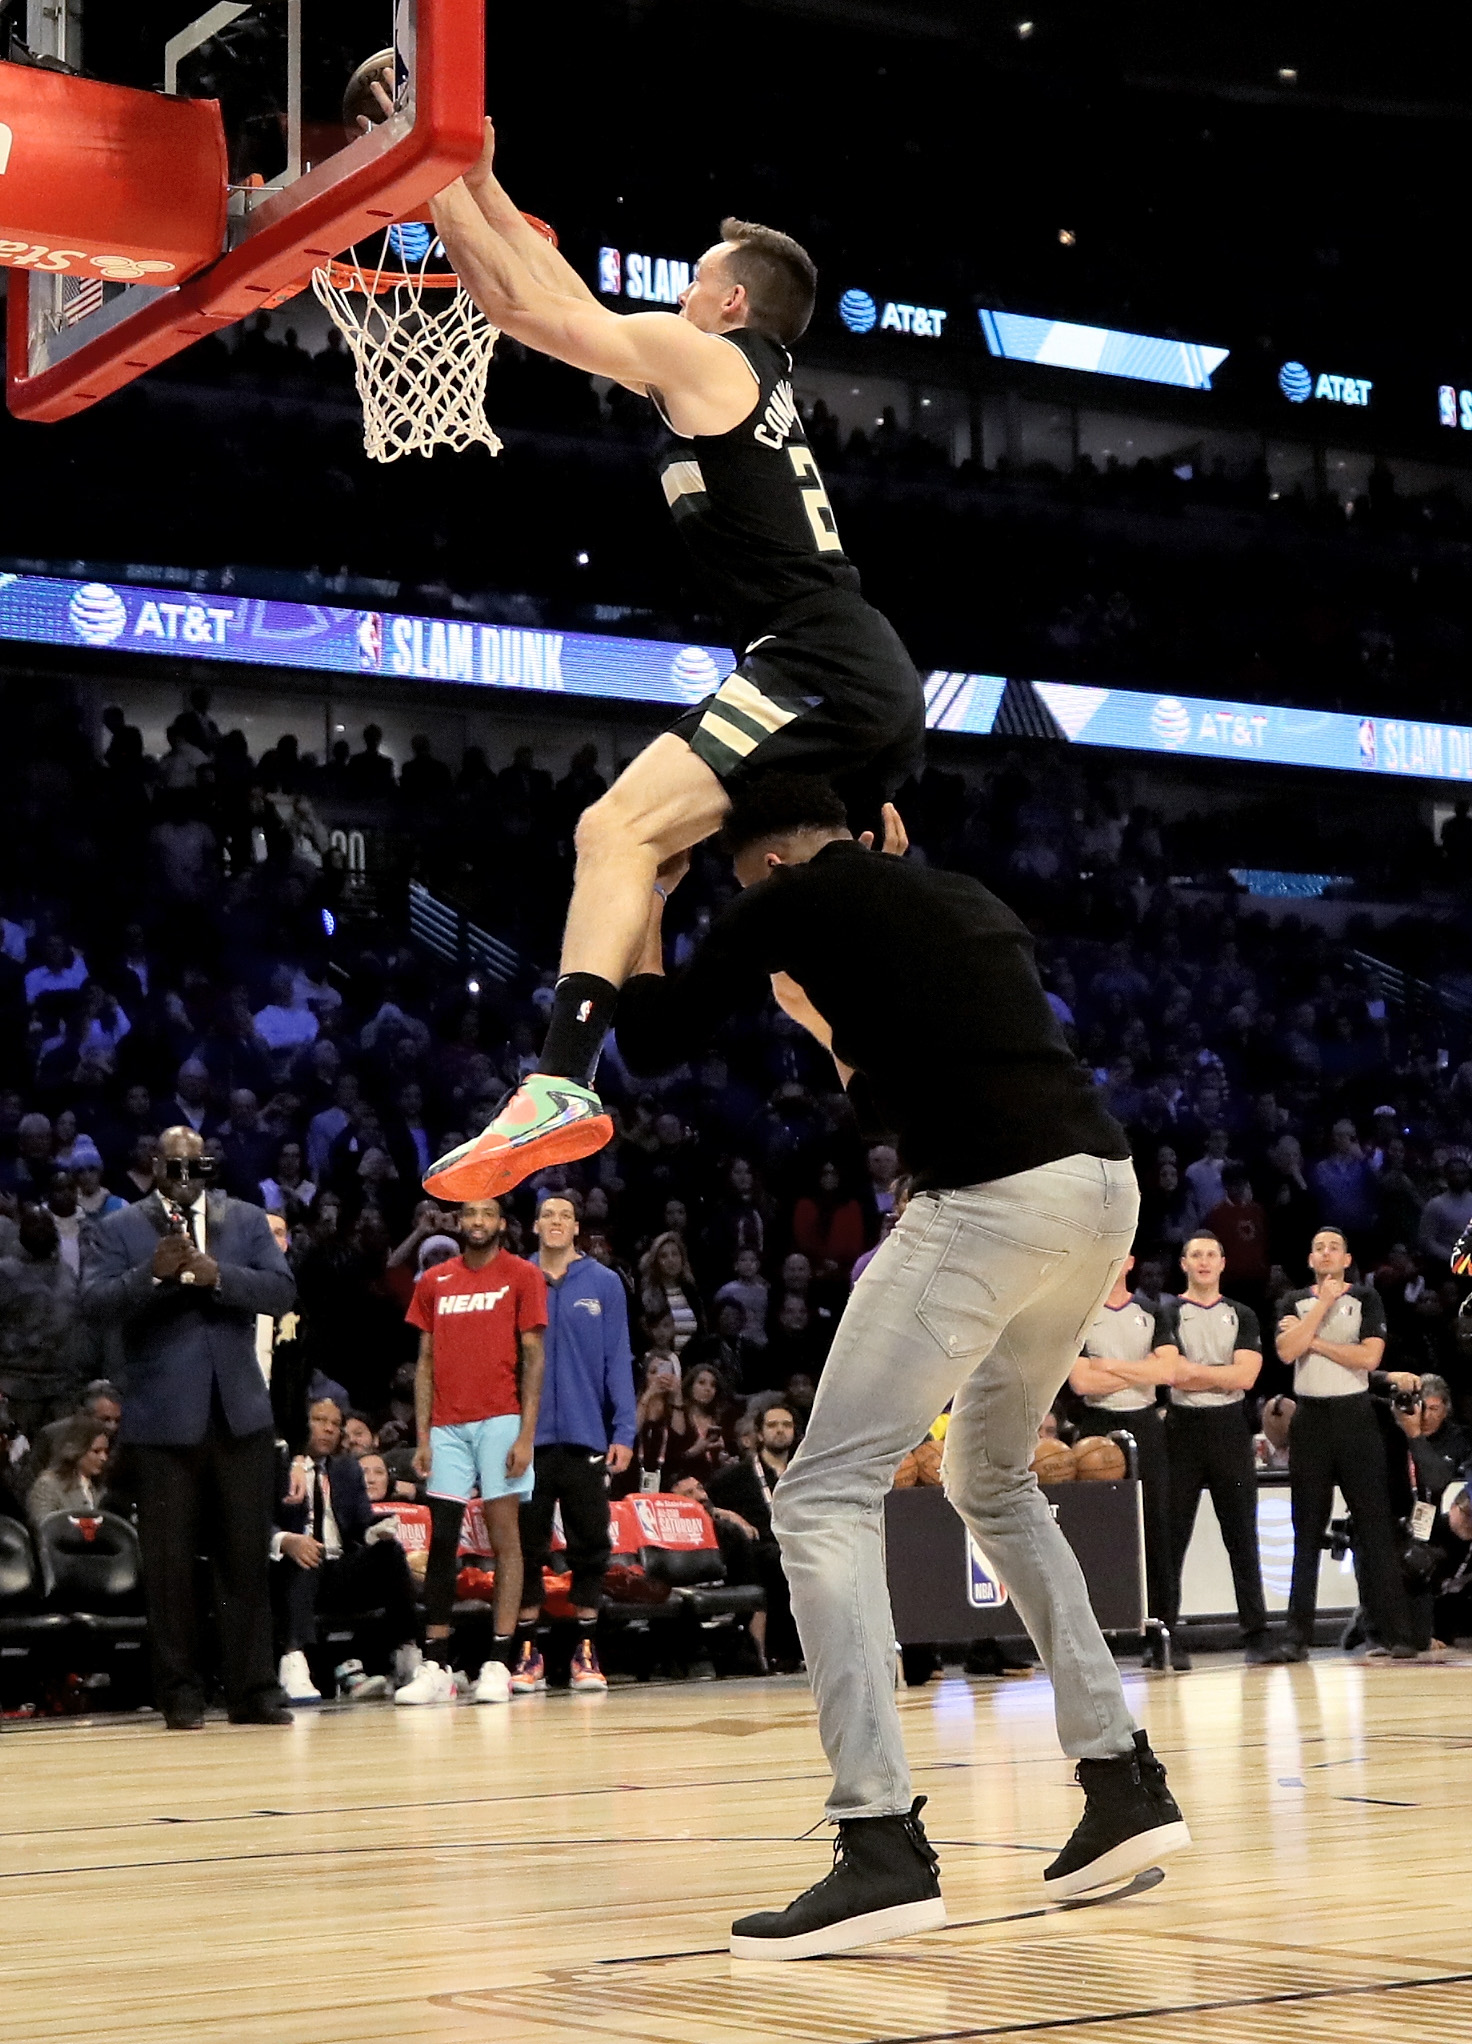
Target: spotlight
329,922
1287,75
472,986
1066,237
582,560
1024,30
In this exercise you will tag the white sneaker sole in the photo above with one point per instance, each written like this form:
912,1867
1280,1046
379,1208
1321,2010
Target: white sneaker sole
1122,1861
589,1688
876,1928
423,1702
476,1697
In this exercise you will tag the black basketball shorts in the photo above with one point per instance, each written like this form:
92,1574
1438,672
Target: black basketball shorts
832,693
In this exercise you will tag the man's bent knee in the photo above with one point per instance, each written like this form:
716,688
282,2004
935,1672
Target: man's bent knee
976,1490
665,801
612,825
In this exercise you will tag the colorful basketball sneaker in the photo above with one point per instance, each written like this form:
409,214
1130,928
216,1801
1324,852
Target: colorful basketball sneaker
530,1672
546,1121
587,1676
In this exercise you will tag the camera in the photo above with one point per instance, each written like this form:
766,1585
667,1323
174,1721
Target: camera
1405,1401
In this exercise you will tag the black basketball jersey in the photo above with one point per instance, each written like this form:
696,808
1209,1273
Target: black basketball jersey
751,506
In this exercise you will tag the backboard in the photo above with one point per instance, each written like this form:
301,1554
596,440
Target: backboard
301,191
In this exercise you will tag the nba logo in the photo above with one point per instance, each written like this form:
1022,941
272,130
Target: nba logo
1367,741
985,1589
370,641
610,272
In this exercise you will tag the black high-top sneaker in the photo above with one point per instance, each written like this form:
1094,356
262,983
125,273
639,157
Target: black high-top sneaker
1130,1822
884,1884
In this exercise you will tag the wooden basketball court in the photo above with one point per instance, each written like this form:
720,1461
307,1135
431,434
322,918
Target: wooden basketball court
568,1867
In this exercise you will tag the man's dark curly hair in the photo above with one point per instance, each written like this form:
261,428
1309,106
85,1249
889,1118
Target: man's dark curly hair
775,805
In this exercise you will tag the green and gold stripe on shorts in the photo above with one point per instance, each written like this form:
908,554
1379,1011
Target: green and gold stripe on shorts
681,479
738,720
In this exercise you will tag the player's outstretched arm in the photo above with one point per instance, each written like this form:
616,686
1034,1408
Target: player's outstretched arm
547,264
705,384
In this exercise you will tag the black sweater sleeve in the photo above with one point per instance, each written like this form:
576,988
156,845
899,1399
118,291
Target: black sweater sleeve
664,1019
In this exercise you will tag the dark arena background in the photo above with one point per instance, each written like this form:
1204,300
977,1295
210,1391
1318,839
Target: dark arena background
1140,381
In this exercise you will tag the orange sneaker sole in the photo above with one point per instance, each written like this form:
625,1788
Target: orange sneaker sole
488,1176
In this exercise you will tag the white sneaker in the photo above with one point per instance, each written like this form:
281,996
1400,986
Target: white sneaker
354,1682
408,1660
295,1678
493,1684
434,1683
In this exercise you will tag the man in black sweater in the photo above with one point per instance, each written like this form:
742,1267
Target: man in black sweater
923,986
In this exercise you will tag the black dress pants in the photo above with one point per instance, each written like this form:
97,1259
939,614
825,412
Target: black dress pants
360,1579
212,1498
1148,1428
575,1477
1337,1440
1211,1450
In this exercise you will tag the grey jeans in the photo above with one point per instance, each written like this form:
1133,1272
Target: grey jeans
981,1296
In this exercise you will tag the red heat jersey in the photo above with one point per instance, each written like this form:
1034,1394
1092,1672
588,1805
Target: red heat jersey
476,1319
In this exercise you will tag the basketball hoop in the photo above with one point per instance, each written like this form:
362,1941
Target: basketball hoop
420,344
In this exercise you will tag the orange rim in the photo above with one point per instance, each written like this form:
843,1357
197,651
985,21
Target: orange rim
361,277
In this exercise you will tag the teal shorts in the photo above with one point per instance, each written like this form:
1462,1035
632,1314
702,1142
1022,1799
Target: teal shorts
472,1455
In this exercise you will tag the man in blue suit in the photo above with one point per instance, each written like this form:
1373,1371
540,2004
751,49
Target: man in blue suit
182,1275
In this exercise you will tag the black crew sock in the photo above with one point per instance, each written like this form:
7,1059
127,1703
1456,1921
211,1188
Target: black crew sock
582,1014
503,1648
525,1634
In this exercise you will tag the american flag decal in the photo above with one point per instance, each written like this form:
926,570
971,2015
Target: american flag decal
82,296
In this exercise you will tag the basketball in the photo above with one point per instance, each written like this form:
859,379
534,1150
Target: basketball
908,1474
927,1460
1097,1459
358,102
1052,1462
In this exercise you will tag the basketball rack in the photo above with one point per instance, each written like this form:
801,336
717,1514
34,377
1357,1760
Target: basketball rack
63,357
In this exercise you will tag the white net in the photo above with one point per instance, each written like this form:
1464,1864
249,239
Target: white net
420,344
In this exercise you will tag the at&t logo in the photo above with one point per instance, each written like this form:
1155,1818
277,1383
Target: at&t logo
97,614
694,673
1170,722
1298,384
860,314
858,311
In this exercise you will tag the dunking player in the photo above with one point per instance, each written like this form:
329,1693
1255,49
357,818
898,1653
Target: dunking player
821,680
1023,1208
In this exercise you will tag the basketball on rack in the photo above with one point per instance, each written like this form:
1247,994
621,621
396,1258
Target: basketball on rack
1097,1459
1052,1462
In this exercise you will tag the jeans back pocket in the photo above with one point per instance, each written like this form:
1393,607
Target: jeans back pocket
980,1282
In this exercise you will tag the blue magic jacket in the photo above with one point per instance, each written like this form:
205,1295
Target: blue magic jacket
588,1384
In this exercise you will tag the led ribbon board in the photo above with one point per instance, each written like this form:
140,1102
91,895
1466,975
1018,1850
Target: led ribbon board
1198,727
1100,350
43,610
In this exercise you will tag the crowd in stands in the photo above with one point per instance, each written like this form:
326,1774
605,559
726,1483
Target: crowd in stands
164,960
1169,573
